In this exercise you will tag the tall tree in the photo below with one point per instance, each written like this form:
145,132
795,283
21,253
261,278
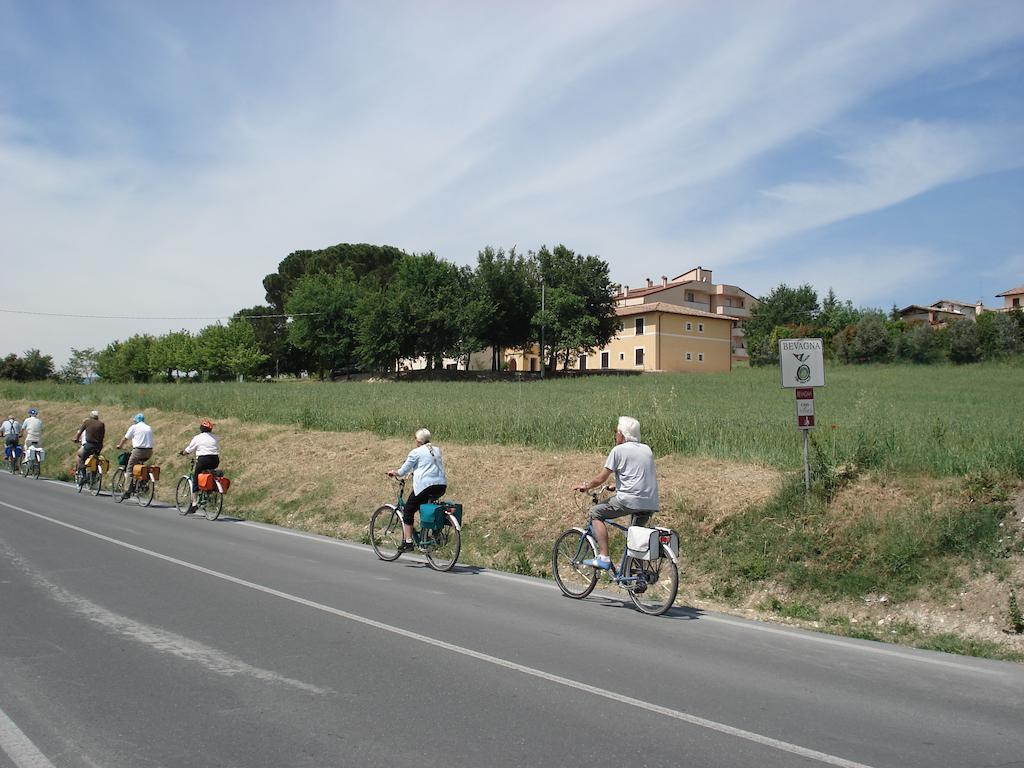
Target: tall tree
374,262
271,328
126,360
783,307
328,339
579,312
173,355
228,351
504,301
80,367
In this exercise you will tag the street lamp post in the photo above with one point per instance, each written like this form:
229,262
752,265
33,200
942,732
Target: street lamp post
543,362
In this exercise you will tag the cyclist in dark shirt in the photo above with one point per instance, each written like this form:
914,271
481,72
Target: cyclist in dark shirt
94,430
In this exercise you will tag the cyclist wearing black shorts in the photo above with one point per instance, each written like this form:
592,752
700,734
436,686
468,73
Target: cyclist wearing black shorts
429,481
206,447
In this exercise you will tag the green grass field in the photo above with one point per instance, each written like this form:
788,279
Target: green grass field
942,420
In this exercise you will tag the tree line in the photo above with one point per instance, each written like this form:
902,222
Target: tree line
854,335
367,307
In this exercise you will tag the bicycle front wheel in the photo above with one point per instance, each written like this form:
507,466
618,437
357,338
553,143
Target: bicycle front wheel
442,547
145,490
575,579
656,586
96,483
386,533
26,468
183,495
117,486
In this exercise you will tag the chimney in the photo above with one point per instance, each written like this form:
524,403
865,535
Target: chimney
664,281
625,290
650,283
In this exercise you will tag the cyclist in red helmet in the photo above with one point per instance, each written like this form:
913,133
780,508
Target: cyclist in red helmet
206,447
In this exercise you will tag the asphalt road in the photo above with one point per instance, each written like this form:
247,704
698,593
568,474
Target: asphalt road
134,637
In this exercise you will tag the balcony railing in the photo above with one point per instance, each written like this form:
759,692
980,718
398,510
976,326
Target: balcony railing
733,311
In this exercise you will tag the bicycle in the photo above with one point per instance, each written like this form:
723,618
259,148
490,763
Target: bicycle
651,584
211,502
12,454
91,474
144,488
439,536
31,461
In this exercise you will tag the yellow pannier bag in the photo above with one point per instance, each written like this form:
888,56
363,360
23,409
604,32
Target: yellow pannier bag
90,463
139,471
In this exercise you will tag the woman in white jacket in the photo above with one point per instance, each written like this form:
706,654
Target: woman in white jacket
429,481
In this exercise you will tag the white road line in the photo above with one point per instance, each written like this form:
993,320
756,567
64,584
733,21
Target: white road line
795,633
17,746
767,741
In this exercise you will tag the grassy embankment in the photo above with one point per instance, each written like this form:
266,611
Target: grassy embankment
910,511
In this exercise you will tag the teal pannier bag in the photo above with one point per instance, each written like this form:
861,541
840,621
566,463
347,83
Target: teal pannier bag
432,516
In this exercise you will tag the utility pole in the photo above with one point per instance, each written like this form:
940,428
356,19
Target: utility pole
543,359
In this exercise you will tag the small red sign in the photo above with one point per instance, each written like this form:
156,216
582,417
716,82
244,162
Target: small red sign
805,422
805,394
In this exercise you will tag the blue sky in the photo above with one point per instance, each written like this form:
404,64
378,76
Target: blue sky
157,159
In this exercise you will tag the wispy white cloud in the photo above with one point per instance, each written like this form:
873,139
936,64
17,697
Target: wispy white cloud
650,133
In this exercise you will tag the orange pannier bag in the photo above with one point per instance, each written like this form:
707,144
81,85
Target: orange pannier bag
139,471
154,470
206,481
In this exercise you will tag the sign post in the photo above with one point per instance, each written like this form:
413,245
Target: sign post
802,363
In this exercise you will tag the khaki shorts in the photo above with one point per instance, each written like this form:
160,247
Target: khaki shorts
614,508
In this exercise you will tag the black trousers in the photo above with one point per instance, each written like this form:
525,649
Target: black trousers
412,505
203,464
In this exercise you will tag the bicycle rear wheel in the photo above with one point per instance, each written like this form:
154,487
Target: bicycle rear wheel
573,578
117,486
442,547
183,495
145,490
212,505
386,533
660,583
26,468
96,483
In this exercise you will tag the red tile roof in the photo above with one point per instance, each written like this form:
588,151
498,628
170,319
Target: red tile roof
1012,291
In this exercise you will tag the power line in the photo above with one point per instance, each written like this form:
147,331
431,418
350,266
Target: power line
136,317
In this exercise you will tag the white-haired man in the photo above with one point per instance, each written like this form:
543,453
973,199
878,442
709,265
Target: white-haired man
636,486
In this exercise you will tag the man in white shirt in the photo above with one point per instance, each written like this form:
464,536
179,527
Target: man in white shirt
141,435
636,486
32,428
11,431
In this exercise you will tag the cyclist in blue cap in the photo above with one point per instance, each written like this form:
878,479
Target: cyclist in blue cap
32,429
141,435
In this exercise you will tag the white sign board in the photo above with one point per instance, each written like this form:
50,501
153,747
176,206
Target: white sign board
802,362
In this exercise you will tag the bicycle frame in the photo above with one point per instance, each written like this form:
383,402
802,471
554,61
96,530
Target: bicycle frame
399,506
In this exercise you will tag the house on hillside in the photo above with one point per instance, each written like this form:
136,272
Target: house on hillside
697,290
942,312
1012,299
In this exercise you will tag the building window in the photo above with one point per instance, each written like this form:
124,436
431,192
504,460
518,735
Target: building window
638,356
604,359
689,356
622,355
639,326
689,295
533,363
1016,302
739,303
689,326
700,327
583,362
700,357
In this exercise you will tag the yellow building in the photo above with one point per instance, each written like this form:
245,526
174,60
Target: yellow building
665,337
